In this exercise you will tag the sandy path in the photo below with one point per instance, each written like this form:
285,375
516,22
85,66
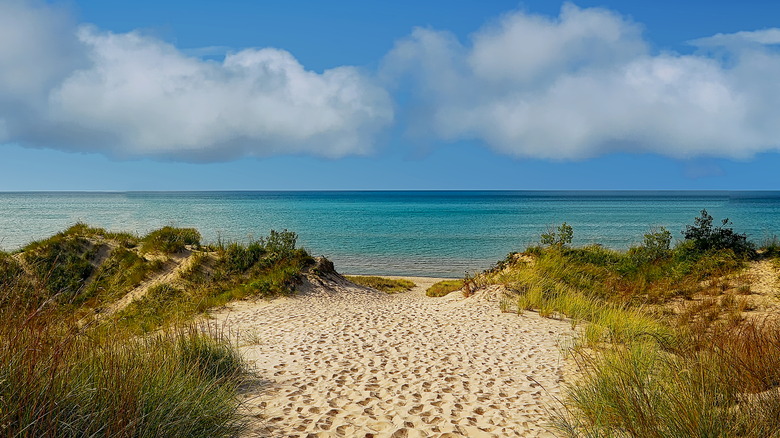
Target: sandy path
172,269
345,361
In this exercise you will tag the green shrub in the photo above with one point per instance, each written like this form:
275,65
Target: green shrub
388,285
705,237
444,287
558,237
280,243
170,240
655,247
238,258
266,268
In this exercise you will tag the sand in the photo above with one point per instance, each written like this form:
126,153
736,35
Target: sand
340,360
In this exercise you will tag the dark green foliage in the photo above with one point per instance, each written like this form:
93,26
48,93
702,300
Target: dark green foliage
705,237
238,258
558,237
280,280
170,240
595,255
656,245
280,243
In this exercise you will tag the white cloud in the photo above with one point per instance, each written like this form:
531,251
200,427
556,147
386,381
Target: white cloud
585,84
578,85
763,37
132,95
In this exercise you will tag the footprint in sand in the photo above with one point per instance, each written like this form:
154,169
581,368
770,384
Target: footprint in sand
350,362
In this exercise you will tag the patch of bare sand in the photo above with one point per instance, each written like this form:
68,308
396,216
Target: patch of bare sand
764,280
344,360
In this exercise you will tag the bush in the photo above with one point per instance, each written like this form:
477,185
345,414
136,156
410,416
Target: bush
705,237
559,237
280,243
238,258
722,383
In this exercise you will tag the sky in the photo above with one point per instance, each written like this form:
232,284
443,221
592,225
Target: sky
358,95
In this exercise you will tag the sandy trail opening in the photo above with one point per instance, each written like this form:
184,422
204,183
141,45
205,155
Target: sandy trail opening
340,360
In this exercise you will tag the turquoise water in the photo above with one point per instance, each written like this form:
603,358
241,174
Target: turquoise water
391,233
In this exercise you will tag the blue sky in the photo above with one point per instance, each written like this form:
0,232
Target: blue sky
294,95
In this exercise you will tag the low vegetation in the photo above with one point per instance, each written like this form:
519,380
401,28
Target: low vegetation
170,240
68,370
670,349
444,287
58,379
264,268
388,285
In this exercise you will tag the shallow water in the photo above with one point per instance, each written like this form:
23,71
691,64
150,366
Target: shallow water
441,234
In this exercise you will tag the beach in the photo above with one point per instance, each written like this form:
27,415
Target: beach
344,360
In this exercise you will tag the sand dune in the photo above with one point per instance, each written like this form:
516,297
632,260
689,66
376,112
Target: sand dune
341,360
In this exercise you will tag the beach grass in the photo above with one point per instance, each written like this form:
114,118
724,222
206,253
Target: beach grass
69,370
264,268
61,379
665,348
387,285
444,287
170,240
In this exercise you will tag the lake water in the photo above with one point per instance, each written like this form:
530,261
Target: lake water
391,233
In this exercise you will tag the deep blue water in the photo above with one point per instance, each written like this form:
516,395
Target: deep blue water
391,233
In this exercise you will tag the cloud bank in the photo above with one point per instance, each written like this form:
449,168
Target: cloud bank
585,83
575,86
80,88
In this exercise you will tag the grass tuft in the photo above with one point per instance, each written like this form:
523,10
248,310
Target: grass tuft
170,240
444,287
387,285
